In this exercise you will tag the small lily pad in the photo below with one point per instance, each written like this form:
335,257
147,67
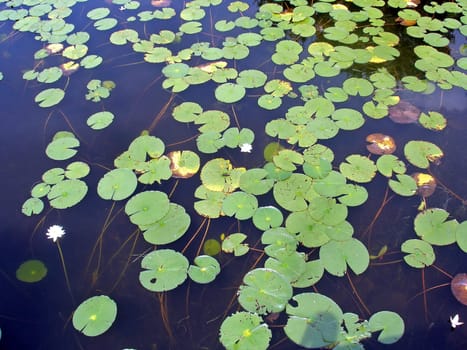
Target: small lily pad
229,92
100,120
420,253
31,271
391,326
245,331
433,227
117,184
240,204
49,97
336,255
67,193
233,243
205,270
62,146
95,315
358,168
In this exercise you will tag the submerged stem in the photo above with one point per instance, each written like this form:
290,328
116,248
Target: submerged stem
62,260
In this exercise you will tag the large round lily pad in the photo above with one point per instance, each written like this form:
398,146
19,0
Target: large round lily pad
117,184
95,315
147,207
67,193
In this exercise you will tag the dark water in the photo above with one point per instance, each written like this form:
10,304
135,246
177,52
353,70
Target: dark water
37,316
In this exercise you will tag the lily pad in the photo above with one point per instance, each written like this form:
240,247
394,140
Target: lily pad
95,315
433,227
315,321
77,170
264,291
49,97
420,253
336,255
358,168
389,323
117,184
169,228
233,243
244,331
147,207
62,146
240,204
229,92
422,153
405,185
164,270
184,164
205,270
31,271
67,193
100,120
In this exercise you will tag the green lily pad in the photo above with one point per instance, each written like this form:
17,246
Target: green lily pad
308,231
358,168
233,243
279,241
187,112
31,271
267,217
184,164
40,190
432,121
255,181
146,145
244,331
62,146
210,204
348,119
291,193
421,153
205,270
358,86
67,193
77,170
219,175
389,323
147,207
461,236
32,206
433,227
315,321
95,315
404,186
74,52
163,270
327,211
49,75
117,184
211,247
100,120
123,36
233,137
332,185
251,78
240,204
336,255
98,13
353,195
388,164
420,253
264,291
169,228
49,97
286,159
229,92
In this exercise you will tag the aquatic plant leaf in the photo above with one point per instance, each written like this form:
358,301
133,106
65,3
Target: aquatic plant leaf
91,61
98,13
391,326
187,112
147,207
67,193
433,227
191,27
213,121
388,164
358,86
117,184
77,170
244,331
31,271
211,247
169,228
210,204
233,243
332,185
158,55
315,321
255,181
336,255
308,231
348,119
156,170
224,25
289,265
358,168
242,205
264,291
420,253
290,193
146,145
40,190
279,241
205,270
327,211
233,137
269,102
49,97
184,164
251,78
229,92
163,270
100,120
53,176
430,57
461,236
433,121
421,153
219,175
95,315
286,159
336,94
404,186
123,36
49,75
318,169
313,272
353,195
32,206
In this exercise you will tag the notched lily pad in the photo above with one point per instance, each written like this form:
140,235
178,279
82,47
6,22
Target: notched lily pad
422,153
95,315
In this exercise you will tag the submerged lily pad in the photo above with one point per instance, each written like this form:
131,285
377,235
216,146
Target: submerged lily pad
164,270
95,315
31,271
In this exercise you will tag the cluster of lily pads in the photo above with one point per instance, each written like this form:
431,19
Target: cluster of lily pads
348,46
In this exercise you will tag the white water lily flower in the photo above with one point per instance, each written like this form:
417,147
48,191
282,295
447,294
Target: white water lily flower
246,147
455,321
54,232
